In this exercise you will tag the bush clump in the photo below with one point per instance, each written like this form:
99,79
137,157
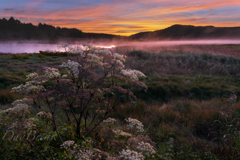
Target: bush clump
19,56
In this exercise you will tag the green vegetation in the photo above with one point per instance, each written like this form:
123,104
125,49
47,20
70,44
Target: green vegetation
189,111
18,56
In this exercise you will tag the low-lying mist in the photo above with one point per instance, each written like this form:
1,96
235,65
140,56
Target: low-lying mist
179,42
36,46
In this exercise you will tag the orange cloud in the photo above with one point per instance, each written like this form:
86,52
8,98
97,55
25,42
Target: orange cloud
129,17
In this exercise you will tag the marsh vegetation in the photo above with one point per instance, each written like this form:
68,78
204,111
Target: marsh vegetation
137,104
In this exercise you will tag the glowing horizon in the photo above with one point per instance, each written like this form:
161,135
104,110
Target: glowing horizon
123,17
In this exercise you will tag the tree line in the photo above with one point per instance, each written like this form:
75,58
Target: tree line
13,29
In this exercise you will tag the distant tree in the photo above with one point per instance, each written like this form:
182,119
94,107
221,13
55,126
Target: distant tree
14,29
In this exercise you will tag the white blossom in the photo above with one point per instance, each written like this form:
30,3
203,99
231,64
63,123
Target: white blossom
28,123
96,59
44,114
64,76
133,74
52,72
135,124
118,56
120,64
28,87
24,100
9,110
103,51
73,66
78,51
139,73
121,133
32,75
67,144
81,152
109,120
84,154
19,105
146,148
131,155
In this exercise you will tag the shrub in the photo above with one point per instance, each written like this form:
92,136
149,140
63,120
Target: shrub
41,55
84,97
19,56
25,56
49,53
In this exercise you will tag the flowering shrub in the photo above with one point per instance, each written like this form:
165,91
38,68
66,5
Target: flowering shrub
28,88
109,120
80,152
44,115
20,105
134,124
32,75
86,95
88,92
73,66
103,52
29,123
52,72
121,133
146,148
119,57
64,76
68,144
133,74
133,155
95,58
134,141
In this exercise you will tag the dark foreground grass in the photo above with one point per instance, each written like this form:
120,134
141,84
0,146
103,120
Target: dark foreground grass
190,110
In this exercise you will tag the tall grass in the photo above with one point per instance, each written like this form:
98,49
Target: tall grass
6,96
183,63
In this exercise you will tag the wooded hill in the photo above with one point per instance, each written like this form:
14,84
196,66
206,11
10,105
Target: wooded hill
178,32
13,29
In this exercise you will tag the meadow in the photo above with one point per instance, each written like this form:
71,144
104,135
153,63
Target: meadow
124,103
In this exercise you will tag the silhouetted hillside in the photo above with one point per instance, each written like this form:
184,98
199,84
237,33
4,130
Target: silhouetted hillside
13,29
189,32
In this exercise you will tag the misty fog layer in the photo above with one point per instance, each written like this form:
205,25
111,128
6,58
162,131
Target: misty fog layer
35,47
180,42
26,47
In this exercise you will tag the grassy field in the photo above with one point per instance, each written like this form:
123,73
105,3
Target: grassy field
225,49
189,111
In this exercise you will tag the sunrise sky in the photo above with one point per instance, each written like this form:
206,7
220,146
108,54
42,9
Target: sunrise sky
123,17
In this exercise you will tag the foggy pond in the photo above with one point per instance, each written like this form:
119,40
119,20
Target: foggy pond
35,47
